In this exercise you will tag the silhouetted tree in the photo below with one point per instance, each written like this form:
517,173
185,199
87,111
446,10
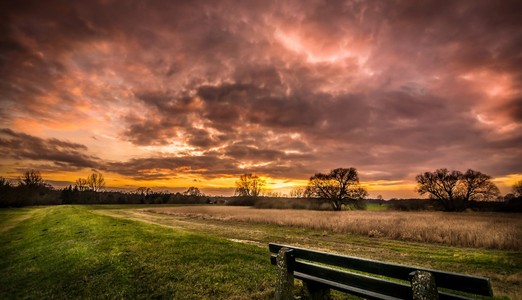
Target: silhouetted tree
96,182
249,185
339,187
193,191
81,184
68,195
31,178
6,195
517,189
144,191
32,190
4,183
454,189
297,192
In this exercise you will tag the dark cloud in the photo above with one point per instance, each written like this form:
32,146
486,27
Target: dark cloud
64,154
284,88
208,166
57,155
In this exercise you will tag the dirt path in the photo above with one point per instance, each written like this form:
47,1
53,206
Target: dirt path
247,236
12,223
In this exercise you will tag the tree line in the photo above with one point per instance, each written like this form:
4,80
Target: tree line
340,189
30,189
451,190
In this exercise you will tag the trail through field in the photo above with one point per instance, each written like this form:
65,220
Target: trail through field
237,234
73,252
503,267
15,221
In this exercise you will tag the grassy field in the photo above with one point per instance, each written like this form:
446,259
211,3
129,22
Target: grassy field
479,230
136,252
71,252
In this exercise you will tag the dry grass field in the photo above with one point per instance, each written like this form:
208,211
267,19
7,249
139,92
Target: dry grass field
476,230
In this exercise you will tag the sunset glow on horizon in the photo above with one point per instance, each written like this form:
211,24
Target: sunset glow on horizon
174,94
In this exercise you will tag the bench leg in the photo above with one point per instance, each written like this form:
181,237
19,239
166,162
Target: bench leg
315,291
285,275
423,286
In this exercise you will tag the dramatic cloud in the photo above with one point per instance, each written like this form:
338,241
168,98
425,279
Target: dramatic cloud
213,89
63,154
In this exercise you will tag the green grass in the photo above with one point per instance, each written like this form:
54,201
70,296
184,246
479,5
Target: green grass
377,207
124,252
71,252
504,268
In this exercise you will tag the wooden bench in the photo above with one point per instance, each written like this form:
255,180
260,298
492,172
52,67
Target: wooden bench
372,279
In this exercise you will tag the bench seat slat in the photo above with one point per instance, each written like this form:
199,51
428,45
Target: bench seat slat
344,288
466,283
381,286
348,289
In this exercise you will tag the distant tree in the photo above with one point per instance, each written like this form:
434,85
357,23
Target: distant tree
5,192
454,189
274,194
517,189
68,195
339,187
249,185
144,191
297,192
31,189
478,186
96,182
509,196
31,178
81,184
193,191
4,183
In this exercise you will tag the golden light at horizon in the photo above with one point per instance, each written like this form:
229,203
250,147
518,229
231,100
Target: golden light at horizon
228,183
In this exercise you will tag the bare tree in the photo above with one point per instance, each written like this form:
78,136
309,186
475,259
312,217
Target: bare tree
193,191
478,186
454,189
249,185
297,192
4,183
81,184
96,182
517,189
144,191
340,187
31,178
274,194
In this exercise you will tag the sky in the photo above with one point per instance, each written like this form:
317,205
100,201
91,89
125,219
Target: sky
172,94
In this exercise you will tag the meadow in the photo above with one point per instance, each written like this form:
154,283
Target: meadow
480,230
206,252
68,252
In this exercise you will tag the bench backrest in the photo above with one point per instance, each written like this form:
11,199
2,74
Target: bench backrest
368,279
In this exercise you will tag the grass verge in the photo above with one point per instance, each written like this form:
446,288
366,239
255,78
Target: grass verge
71,252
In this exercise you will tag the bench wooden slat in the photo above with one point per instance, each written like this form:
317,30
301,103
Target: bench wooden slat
368,283
347,288
344,288
448,296
466,283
